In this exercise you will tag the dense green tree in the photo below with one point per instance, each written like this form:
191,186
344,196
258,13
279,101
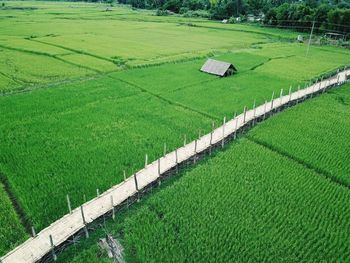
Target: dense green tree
331,15
271,17
256,6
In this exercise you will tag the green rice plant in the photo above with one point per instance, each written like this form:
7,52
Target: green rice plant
27,44
259,74
19,67
12,233
247,204
95,129
73,139
315,133
63,49
96,64
258,201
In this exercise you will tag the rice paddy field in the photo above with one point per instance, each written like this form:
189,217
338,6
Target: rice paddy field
326,127
249,203
86,93
82,40
12,231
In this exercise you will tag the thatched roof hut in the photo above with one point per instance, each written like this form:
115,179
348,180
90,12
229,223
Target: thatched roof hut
218,68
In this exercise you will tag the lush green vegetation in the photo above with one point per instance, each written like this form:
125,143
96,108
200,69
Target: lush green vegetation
315,133
261,71
74,139
108,87
95,129
300,16
83,40
328,14
12,232
247,204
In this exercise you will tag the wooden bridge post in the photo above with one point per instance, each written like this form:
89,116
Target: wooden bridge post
211,132
68,203
146,160
195,146
244,113
211,137
176,161
234,118
312,91
195,151
158,167
199,135
82,214
254,112
84,222
33,232
290,94
54,256
305,95
137,188
338,79
113,209
281,95
159,182
272,98
327,84
298,95
223,133
265,105
236,127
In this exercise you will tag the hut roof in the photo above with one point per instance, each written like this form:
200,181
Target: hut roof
216,67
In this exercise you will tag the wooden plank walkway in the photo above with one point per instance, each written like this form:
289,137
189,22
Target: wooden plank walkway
35,248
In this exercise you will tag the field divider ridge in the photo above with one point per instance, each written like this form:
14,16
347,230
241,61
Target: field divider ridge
41,249
306,165
162,98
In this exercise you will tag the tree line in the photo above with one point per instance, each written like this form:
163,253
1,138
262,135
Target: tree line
327,14
300,16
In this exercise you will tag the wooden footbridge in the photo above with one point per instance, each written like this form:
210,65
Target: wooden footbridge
35,248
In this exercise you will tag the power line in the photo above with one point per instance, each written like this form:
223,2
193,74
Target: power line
308,21
308,46
301,27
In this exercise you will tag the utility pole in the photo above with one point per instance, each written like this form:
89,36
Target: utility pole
312,31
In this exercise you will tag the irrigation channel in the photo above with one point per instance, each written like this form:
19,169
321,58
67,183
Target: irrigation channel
44,246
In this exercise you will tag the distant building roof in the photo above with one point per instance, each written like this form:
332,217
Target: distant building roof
219,68
334,34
